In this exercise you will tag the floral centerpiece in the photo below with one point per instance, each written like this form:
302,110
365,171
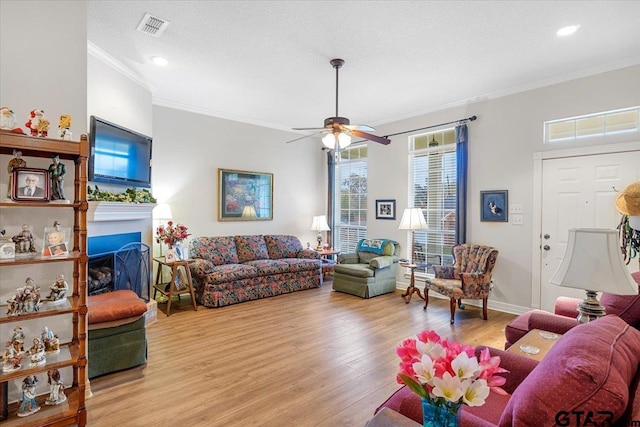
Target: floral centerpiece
171,234
446,375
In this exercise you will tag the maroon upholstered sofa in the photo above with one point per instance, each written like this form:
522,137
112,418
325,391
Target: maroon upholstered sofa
627,307
592,371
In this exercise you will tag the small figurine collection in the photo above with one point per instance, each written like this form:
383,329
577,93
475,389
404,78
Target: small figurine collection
37,124
29,405
47,343
23,244
27,298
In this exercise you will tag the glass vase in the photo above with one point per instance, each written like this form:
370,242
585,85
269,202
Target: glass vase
439,416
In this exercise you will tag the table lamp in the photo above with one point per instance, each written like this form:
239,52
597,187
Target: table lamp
413,219
162,213
319,224
593,262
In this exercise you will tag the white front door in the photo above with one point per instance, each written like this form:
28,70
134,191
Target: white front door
578,192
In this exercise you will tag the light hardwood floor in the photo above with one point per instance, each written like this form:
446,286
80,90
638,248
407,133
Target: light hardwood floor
311,358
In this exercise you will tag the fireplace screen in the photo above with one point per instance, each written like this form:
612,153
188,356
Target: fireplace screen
126,268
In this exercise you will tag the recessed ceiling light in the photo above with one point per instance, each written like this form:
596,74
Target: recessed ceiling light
568,30
159,60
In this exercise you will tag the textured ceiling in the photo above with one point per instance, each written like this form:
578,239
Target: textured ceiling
267,62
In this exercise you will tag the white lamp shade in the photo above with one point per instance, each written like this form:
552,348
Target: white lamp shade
593,261
162,211
412,219
249,212
320,223
329,140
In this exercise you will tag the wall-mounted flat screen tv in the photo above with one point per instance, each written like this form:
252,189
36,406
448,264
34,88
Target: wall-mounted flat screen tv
119,155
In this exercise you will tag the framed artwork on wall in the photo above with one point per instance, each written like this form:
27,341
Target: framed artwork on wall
386,209
244,196
494,206
30,185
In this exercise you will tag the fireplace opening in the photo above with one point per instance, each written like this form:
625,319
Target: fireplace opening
118,261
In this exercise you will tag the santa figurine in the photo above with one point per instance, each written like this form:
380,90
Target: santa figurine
8,120
38,125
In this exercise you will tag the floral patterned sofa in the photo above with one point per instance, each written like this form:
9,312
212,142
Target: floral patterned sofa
233,269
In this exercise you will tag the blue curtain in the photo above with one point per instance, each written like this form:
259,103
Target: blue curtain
462,155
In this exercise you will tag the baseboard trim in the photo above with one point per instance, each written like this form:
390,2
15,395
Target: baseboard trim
493,305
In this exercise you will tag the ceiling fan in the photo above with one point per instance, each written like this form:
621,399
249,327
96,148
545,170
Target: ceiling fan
338,129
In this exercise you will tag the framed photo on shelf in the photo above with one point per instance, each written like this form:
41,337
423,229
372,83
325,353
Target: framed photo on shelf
30,185
386,209
56,241
244,196
494,206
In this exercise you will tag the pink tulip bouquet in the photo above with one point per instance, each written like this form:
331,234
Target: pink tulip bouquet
447,374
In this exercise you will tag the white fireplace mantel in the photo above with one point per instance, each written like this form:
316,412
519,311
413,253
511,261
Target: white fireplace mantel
119,211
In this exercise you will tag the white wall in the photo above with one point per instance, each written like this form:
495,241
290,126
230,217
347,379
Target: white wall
188,150
502,142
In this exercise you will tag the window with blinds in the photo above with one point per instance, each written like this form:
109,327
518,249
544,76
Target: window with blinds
351,198
599,124
432,169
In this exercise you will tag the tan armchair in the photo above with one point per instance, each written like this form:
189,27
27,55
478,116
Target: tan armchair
469,277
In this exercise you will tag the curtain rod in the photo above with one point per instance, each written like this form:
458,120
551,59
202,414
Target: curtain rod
460,121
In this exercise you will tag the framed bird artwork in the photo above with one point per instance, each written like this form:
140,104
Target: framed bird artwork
494,206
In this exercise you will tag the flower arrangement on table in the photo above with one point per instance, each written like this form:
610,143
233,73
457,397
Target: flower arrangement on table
446,374
171,234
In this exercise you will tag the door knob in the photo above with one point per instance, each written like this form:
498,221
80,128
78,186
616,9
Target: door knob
546,247
546,236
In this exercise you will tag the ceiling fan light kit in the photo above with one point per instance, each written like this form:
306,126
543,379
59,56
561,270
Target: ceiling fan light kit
339,128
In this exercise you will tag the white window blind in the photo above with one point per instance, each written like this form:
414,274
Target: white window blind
351,198
432,162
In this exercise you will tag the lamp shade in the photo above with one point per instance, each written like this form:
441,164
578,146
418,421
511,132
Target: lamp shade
329,140
249,212
162,211
593,261
412,219
320,223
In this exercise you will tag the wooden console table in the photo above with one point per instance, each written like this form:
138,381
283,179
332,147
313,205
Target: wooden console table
179,284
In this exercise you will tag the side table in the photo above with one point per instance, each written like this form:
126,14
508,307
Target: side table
328,257
412,284
535,344
179,284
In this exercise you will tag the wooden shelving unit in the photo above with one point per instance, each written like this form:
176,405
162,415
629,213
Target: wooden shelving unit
74,353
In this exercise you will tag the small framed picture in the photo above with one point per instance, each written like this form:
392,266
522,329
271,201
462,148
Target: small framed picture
170,256
494,206
385,209
30,185
56,241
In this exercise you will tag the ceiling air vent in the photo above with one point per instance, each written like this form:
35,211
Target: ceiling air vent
152,25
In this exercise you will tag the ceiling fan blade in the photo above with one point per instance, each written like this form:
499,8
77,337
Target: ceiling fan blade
370,137
308,128
360,127
303,137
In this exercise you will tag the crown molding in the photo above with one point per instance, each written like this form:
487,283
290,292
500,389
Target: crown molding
118,66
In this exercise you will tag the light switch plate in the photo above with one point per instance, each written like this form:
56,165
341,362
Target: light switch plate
516,209
517,219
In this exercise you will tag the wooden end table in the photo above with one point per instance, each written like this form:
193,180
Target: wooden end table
328,257
412,284
535,338
179,284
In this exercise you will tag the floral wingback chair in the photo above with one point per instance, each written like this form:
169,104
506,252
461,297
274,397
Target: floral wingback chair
469,277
